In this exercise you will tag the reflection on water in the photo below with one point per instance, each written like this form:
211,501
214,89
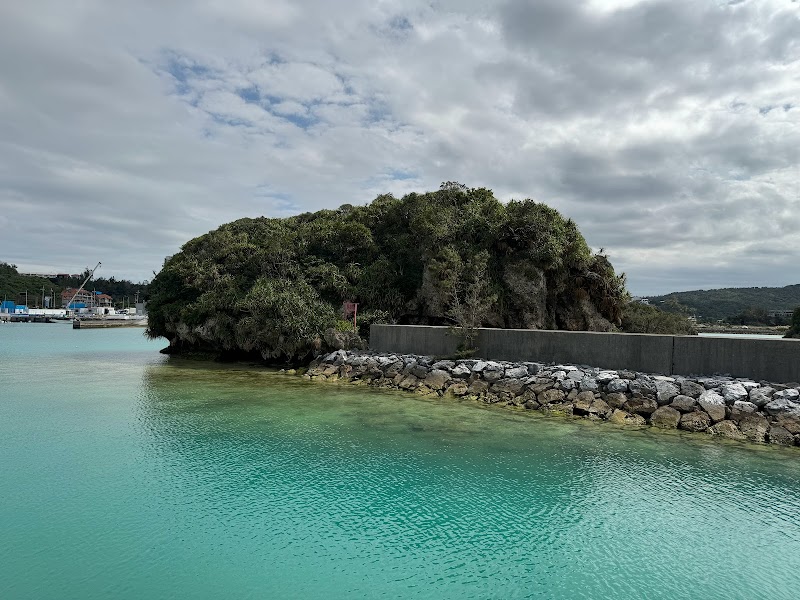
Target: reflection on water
446,492
130,475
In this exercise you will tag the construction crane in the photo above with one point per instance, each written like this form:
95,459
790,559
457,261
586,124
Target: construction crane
81,286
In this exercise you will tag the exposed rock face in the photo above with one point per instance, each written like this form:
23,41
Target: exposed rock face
665,417
754,427
683,403
714,404
695,421
727,429
665,392
722,406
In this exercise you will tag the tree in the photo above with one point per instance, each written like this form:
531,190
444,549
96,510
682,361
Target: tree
794,328
267,287
471,300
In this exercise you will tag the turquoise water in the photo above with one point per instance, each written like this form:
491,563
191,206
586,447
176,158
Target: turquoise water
127,474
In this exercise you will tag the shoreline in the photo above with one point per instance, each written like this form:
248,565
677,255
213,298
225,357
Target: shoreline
724,407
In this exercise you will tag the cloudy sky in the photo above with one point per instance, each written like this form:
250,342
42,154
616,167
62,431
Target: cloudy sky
669,130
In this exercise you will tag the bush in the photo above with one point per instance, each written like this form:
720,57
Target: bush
643,318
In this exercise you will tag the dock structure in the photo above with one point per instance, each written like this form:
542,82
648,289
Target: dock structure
107,323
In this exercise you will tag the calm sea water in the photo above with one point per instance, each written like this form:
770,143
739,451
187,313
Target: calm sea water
125,474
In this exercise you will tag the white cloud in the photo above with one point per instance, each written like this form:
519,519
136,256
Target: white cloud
669,130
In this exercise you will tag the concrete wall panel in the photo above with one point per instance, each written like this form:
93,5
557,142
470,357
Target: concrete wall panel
772,360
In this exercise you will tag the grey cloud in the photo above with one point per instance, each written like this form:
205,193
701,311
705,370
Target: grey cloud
659,127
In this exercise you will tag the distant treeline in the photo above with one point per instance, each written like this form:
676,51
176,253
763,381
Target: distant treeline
13,286
738,306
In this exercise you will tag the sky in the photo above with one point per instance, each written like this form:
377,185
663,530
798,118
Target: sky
668,130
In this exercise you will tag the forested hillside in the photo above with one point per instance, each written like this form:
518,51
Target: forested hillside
13,286
727,303
271,287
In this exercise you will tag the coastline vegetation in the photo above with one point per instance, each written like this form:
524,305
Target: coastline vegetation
794,327
271,287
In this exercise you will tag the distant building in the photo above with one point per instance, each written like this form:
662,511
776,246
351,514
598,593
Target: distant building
783,314
641,300
86,298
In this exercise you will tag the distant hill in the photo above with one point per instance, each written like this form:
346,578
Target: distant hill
13,286
726,303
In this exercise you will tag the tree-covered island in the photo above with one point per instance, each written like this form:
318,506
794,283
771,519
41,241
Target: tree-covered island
272,287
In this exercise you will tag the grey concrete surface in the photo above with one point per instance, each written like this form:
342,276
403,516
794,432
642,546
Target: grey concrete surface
647,353
771,360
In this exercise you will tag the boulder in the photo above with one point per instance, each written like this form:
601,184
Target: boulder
621,417
727,429
691,389
394,368
575,375
616,399
409,382
683,403
419,371
754,427
461,372
732,392
780,436
642,386
641,406
790,394
533,368
517,372
789,422
559,375
589,384
617,386
508,386
582,403
742,407
444,365
665,417
714,404
781,405
437,379
626,374
542,387
665,391
492,375
478,387
761,396
566,385
605,377
479,366
459,388
695,421
600,407
550,397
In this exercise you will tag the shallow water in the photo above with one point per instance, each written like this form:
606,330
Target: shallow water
128,474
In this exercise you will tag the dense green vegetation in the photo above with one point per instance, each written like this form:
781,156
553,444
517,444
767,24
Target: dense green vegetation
455,256
794,328
13,286
743,306
641,318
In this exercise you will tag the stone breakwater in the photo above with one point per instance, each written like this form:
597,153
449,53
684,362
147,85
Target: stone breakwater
723,406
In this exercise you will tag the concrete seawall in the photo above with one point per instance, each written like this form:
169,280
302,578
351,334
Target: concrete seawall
771,360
